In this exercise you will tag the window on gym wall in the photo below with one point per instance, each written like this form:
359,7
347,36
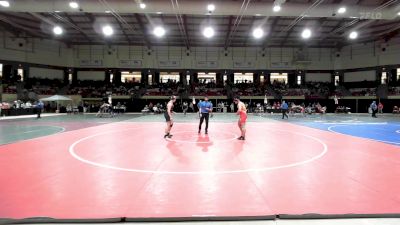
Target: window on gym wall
1,71
169,76
150,79
398,73
21,74
299,80
337,80
225,78
111,77
131,77
262,79
384,78
279,78
70,78
206,78
188,79
243,77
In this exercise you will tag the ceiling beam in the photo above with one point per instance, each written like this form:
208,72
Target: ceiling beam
250,26
33,33
185,26
10,29
143,29
211,45
288,33
339,24
228,33
272,30
123,31
68,18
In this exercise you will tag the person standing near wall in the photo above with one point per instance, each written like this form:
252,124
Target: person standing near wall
374,109
284,108
336,99
39,108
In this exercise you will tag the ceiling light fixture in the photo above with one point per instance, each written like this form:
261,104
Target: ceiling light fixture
73,5
306,33
276,8
5,4
341,10
208,32
258,33
57,30
211,7
108,30
159,31
142,5
353,35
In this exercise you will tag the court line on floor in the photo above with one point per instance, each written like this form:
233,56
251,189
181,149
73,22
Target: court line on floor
31,131
35,138
64,131
71,150
342,125
361,123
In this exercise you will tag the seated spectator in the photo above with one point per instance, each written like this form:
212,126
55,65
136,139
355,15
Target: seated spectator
396,110
380,107
146,109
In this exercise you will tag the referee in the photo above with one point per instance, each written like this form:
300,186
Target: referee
205,108
284,108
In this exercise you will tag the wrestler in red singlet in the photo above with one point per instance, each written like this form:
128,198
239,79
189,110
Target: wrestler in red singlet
242,112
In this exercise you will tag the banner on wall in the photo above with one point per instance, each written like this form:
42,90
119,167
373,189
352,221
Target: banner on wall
280,65
241,64
130,63
91,63
207,64
169,63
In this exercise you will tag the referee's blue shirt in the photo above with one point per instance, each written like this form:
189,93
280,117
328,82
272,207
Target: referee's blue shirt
204,105
284,106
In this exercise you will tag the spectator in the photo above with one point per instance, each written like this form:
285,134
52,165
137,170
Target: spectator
396,110
380,107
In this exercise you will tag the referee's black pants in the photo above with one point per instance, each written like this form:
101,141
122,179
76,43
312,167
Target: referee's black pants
374,112
205,116
284,114
38,112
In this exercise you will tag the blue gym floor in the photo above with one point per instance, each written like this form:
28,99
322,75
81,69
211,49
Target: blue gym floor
383,129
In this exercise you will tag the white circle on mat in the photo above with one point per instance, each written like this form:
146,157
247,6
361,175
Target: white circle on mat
324,150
